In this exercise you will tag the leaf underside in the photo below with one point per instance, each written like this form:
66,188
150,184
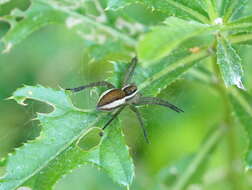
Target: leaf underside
229,63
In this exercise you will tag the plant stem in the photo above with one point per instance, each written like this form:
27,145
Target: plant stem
228,124
201,156
240,38
211,10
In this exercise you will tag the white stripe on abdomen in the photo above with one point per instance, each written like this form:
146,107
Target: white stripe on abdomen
113,104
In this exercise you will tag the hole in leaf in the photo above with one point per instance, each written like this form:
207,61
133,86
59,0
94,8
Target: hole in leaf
2,166
90,140
6,8
5,26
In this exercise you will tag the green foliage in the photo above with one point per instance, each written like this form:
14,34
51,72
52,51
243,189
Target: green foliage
68,124
242,103
163,39
181,8
230,64
191,32
37,16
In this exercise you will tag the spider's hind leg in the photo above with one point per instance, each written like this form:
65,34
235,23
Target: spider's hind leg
140,119
158,101
93,84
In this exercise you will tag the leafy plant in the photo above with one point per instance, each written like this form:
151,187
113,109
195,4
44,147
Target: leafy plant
191,33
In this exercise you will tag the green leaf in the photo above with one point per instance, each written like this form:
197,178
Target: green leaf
37,16
242,105
229,63
115,158
72,158
110,49
231,9
61,128
242,39
153,79
117,164
53,152
211,8
243,24
162,40
180,8
42,13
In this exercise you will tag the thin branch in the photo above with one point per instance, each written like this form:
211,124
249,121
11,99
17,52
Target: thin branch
202,155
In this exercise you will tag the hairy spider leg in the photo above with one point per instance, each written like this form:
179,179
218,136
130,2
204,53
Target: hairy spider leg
157,101
140,119
130,71
113,117
93,84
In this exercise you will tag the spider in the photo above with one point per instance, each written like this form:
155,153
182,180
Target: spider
128,95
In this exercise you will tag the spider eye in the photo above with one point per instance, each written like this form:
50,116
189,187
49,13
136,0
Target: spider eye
129,89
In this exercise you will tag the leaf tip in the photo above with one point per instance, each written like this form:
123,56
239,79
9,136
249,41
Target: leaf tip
239,84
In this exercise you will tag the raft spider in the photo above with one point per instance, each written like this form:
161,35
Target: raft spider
127,95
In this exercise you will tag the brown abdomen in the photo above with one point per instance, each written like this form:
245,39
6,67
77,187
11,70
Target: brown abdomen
110,96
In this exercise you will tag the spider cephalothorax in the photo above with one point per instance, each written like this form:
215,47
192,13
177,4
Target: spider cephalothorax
118,98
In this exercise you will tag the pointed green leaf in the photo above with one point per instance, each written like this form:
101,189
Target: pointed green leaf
242,38
242,105
229,63
243,24
37,16
60,129
111,155
153,79
162,40
231,9
181,8
115,158
72,158
43,161
42,13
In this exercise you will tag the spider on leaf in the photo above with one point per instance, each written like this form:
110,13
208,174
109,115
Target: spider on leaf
128,95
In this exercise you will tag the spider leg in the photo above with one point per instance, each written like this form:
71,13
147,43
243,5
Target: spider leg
113,117
140,119
93,84
157,101
130,71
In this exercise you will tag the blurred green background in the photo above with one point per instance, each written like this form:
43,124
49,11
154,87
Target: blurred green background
56,57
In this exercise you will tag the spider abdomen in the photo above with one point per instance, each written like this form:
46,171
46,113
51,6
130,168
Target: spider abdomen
111,99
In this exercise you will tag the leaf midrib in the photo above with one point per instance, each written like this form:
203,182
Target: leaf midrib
170,68
57,153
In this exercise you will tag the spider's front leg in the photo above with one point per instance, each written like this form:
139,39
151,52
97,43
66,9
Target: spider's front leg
93,84
112,118
129,72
